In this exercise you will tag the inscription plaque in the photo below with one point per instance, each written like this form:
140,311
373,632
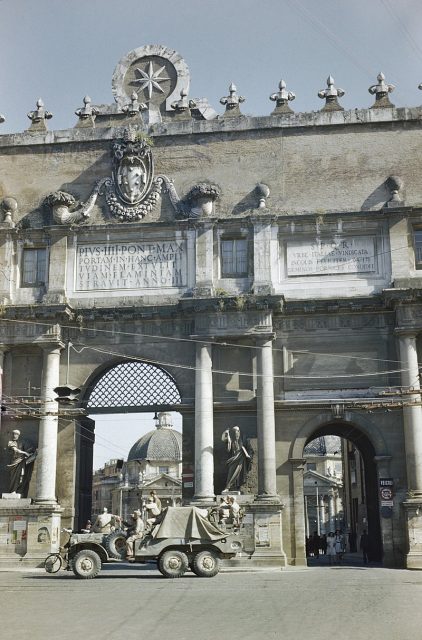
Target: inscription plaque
131,265
346,255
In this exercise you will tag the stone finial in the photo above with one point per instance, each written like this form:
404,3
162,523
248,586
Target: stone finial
232,102
263,191
9,207
381,91
38,117
183,106
2,118
420,86
331,95
282,98
87,113
134,106
394,185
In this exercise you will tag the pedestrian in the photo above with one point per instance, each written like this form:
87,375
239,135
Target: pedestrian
331,547
364,546
316,543
324,544
339,546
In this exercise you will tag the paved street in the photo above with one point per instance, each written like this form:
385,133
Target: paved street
129,602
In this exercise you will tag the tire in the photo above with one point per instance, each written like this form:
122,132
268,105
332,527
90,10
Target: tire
86,564
53,563
115,544
206,564
173,563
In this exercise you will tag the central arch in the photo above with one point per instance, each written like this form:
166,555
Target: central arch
124,386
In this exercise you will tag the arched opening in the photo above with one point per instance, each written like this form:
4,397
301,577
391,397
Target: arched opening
126,403
341,491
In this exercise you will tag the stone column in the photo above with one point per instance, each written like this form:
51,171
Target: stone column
47,436
331,511
412,415
267,488
204,427
322,514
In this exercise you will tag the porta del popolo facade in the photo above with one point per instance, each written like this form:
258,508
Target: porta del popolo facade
261,272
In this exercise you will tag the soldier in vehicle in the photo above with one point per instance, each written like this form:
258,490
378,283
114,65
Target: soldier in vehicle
136,531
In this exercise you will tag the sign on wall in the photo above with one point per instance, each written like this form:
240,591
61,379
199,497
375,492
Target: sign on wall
345,255
131,265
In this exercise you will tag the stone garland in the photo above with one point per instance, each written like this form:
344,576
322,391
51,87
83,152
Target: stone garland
136,212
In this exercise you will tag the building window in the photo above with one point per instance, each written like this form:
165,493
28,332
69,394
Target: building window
311,466
234,258
163,469
418,248
34,267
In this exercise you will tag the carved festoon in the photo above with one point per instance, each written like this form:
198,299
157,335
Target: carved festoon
282,99
381,91
331,95
66,210
232,102
39,116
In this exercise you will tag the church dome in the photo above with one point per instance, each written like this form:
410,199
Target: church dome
161,444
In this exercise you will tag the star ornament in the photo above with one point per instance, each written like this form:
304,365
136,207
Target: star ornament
150,79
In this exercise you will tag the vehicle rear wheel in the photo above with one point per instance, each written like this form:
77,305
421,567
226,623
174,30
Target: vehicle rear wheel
86,564
115,543
173,563
53,563
206,564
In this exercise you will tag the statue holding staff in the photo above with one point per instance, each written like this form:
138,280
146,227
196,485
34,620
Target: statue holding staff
239,460
21,464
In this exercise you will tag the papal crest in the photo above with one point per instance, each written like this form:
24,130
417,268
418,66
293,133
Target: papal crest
132,191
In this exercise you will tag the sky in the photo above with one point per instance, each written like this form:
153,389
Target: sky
62,50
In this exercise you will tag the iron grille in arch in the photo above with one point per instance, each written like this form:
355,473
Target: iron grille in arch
132,384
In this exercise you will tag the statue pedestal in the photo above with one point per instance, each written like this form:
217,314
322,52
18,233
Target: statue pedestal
260,532
413,518
28,532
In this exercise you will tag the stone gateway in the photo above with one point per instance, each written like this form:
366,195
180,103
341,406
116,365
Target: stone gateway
262,273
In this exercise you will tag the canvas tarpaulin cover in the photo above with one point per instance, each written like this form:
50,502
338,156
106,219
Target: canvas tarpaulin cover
186,522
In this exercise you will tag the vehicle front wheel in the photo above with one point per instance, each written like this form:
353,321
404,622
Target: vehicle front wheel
86,564
173,563
53,563
206,564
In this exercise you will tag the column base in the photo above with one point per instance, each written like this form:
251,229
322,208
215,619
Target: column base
413,519
268,499
198,501
29,532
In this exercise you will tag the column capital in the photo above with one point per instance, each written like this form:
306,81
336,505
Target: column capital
266,337
51,345
299,463
406,332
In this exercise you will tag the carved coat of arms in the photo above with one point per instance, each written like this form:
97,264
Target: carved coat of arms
132,191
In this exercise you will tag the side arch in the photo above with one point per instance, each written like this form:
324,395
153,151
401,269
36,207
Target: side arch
352,426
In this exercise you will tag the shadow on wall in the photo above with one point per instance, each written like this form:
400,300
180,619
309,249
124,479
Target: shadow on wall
377,198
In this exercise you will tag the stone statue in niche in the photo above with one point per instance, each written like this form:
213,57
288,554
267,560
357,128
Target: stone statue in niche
21,463
239,460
